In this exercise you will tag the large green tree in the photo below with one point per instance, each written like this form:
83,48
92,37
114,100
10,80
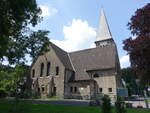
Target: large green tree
129,75
139,47
16,37
17,40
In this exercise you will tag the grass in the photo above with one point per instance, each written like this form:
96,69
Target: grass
28,107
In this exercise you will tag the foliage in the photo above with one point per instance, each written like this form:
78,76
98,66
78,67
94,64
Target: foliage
2,93
14,82
32,44
16,15
6,82
37,43
139,48
19,79
106,105
120,105
17,39
129,75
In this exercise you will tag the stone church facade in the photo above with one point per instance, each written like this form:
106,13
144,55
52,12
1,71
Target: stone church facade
83,74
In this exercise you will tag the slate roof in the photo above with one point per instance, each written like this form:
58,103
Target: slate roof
93,59
63,56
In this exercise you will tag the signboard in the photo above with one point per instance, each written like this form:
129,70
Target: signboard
123,92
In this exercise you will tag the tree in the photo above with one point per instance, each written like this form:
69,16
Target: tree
15,16
106,105
38,43
129,76
120,105
34,44
14,79
139,48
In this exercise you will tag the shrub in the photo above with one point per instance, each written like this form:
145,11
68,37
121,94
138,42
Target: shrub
2,93
106,105
120,105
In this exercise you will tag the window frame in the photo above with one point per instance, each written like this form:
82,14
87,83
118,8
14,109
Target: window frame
75,89
48,68
43,89
41,69
100,89
71,89
33,73
57,70
110,90
96,75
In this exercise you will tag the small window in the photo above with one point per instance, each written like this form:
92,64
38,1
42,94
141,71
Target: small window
57,70
96,75
43,89
38,89
33,73
48,68
71,89
110,89
33,85
42,69
100,90
75,89
54,91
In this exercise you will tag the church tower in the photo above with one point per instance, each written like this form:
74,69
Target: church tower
104,36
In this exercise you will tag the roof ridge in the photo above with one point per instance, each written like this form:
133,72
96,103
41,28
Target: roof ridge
63,56
59,47
71,62
90,49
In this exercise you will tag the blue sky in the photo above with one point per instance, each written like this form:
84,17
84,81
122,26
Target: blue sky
73,23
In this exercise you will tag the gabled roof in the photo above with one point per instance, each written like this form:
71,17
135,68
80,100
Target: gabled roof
63,56
93,59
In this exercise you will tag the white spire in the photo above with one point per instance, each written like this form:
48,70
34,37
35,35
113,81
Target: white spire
103,32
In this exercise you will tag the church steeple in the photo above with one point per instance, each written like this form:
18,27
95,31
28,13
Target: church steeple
104,36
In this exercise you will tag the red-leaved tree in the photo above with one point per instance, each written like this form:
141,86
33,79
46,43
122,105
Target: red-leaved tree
139,47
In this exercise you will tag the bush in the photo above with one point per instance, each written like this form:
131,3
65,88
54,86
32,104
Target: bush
120,105
2,93
106,105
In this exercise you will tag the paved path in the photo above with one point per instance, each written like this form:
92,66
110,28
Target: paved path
70,102
65,102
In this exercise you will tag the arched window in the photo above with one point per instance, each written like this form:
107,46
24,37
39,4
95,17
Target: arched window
48,68
33,73
57,70
42,69
95,75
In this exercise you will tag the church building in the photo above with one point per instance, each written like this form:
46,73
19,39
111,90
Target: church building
84,74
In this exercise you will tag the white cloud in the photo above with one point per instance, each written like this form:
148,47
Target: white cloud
48,11
124,61
5,61
79,35
134,37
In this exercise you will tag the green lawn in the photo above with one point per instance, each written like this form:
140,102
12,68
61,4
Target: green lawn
26,107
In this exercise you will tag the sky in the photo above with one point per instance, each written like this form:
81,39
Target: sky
73,23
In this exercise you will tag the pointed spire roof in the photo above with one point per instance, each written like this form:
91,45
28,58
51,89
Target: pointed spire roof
103,32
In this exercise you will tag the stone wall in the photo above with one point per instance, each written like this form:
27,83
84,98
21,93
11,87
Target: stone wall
105,81
45,80
83,90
